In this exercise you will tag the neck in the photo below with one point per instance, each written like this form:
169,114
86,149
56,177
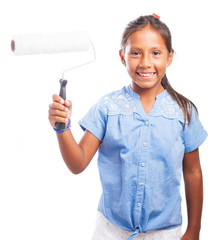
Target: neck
147,93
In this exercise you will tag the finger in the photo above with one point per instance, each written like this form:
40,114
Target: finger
68,103
58,106
54,119
56,112
57,98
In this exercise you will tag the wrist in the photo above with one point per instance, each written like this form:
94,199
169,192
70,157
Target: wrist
194,227
192,234
193,231
67,126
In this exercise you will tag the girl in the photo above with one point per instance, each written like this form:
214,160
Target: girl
146,133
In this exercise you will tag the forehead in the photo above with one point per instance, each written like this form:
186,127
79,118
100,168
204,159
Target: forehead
146,37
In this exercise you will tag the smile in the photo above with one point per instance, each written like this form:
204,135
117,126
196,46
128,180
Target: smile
146,75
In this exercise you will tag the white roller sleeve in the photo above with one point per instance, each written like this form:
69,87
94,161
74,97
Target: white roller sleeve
50,43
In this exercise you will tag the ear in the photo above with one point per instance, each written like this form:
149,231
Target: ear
170,58
122,57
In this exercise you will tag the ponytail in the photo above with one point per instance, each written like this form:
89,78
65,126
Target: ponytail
185,104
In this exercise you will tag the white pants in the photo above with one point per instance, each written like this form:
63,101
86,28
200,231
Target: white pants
104,230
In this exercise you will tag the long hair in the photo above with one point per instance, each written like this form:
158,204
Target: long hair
185,104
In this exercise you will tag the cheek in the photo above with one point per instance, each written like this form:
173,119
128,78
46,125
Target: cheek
130,70
131,64
161,65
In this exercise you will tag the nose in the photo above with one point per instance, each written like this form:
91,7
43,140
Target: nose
145,61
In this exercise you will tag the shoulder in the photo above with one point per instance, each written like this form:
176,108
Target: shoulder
116,102
169,108
185,113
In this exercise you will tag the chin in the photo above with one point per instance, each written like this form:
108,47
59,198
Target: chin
146,85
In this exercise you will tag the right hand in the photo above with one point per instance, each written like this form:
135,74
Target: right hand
59,110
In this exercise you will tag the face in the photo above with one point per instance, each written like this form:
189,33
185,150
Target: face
146,58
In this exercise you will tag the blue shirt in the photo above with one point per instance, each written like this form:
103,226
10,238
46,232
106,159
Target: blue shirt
140,158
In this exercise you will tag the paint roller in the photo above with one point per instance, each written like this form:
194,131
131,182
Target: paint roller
29,44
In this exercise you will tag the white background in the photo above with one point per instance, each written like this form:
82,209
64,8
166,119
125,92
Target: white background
40,198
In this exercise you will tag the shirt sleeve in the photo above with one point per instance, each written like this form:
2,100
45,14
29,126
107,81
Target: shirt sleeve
194,133
95,121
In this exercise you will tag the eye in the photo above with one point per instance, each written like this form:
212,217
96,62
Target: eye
135,53
156,53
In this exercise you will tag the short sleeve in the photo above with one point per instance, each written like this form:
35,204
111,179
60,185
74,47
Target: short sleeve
95,121
194,134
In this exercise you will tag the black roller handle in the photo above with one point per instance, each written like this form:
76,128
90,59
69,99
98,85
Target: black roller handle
62,94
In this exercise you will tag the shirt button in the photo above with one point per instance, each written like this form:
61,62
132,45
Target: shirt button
145,144
141,184
138,204
146,123
143,164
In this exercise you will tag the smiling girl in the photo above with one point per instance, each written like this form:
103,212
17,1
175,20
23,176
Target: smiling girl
146,57
146,135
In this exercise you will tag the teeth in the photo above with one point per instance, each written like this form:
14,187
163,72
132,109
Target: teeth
146,74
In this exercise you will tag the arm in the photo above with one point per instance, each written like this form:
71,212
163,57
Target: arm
194,194
77,156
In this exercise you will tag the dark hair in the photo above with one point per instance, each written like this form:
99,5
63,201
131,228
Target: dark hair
142,21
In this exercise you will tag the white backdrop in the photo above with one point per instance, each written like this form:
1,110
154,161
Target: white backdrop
40,198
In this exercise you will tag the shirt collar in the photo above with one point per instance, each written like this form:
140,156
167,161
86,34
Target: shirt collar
132,93
138,107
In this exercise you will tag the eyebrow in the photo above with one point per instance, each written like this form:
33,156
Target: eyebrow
153,48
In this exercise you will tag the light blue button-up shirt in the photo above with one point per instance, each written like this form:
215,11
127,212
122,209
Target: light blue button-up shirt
140,159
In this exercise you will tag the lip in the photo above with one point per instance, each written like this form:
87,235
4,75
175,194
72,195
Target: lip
146,75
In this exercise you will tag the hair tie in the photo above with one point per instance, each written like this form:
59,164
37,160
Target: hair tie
155,15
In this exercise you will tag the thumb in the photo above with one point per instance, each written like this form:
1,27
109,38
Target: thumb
68,103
